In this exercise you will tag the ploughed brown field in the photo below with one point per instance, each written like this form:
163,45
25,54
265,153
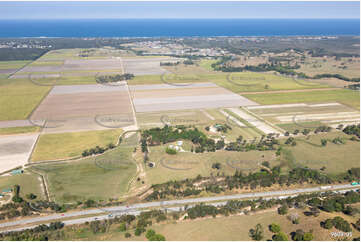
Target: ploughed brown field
78,108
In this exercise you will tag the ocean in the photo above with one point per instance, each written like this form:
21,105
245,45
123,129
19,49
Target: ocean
177,27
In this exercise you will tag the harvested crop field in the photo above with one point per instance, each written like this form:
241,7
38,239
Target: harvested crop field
344,96
307,115
81,67
15,150
152,98
84,107
145,66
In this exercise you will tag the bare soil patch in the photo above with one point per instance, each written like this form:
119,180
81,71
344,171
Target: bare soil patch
15,150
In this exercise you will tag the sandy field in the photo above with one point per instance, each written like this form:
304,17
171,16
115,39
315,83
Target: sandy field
7,71
15,150
148,99
75,67
15,123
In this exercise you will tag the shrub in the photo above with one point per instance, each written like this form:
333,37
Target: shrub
283,209
170,151
150,233
122,227
31,196
275,228
157,237
280,237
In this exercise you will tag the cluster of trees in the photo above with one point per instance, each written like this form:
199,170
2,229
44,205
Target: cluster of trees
296,132
263,178
16,194
103,226
114,78
24,208
223,128
291,141
169,63
222,65
352,130
337,203
322,128
337,222
151,235
354,86
145,219
156,136
300,235
263,144
13,210
278,234
34,234
188,62
97,150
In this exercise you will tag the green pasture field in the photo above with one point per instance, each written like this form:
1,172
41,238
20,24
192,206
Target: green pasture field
46,63
12,64
310,153
28,182
19,97
344,96
98,178
69,145
206,64
60,54
255,81
66,80
19,130
188,165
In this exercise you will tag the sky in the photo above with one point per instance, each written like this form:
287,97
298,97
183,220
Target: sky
183,10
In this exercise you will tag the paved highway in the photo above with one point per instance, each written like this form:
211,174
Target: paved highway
135,209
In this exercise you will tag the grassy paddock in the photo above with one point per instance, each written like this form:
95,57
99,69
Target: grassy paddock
336,158
254,81
28,182
84,179
19,130
67,145
18,98
12,64
189,165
